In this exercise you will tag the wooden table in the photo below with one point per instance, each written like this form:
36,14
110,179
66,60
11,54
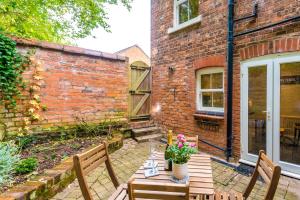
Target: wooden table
200,172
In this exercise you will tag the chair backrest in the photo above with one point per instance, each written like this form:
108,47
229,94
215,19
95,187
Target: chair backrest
192,139
86,162
270,174
154,190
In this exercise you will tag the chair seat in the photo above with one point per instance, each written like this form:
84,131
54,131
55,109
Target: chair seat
220,195
120,193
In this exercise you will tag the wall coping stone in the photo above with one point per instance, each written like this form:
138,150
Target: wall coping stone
68,49
53,180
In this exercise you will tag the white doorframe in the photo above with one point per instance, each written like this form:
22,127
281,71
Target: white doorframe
289,167
273,103
244,108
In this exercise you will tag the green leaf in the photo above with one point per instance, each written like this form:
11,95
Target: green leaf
55,20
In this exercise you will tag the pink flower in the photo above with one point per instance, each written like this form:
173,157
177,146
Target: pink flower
183,140
180,136
180,145
192,145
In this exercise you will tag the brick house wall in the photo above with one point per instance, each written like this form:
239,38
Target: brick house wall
199,46
277,40
76,82
204,45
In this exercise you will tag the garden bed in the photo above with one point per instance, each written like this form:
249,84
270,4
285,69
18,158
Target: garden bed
52,152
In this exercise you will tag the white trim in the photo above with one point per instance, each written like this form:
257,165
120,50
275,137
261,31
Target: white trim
244,108
273,122
247,162
177,27
210,70
283,172
278,60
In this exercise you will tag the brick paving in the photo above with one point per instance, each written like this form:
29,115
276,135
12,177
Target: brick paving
132,155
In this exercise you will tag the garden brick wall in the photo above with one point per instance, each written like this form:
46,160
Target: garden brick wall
204,45
76,82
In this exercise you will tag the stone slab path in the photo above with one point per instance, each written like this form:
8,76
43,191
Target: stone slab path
132,155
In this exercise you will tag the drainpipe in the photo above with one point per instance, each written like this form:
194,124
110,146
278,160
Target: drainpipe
229,77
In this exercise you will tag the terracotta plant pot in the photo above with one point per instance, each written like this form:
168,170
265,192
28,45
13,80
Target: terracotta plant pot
180,170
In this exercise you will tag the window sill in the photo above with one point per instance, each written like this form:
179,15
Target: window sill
208,116
191,22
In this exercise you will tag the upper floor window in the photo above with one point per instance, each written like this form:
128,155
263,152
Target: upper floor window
186,10
210,89
186,13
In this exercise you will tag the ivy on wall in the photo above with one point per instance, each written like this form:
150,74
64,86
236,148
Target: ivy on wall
12,65
12,85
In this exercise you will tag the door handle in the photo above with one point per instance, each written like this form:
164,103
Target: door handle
268,113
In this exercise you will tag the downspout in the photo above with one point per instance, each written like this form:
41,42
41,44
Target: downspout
229,77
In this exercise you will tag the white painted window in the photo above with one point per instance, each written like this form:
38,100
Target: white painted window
210,89
186,13
186,10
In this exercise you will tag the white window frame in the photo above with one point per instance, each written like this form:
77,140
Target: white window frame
210,70
176,25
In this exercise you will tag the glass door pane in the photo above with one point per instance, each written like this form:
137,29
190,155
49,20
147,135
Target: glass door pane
257,108
290,112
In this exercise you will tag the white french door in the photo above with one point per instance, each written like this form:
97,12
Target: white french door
270,110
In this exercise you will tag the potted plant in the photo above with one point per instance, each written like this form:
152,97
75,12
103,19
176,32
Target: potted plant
181,153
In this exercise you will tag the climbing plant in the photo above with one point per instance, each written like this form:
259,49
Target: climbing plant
13,87
32,106
12,65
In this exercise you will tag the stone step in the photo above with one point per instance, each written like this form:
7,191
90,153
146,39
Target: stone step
141,124
145,131
146,138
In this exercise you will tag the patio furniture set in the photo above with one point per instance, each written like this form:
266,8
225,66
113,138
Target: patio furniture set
162,186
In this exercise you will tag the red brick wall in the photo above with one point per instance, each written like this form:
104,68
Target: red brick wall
196,47
205,43
280,39
76,83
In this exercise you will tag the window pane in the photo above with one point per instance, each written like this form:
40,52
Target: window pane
290,112
217,81
205,81
183,12
218,100
194,8
207,99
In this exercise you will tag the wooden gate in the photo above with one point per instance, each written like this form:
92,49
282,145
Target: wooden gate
140,91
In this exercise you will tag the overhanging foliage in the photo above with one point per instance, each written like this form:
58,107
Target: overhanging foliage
54,20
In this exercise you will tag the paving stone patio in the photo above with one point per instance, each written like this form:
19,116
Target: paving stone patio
132,155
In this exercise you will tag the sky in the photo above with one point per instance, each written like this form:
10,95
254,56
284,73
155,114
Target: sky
127,28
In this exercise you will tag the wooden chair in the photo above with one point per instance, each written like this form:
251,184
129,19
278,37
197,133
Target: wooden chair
86,162
154,190
267,170
192,139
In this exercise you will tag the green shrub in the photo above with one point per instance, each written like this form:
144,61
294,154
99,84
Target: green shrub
26,165
9,157
25,141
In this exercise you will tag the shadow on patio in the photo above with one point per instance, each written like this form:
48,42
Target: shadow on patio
129,158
